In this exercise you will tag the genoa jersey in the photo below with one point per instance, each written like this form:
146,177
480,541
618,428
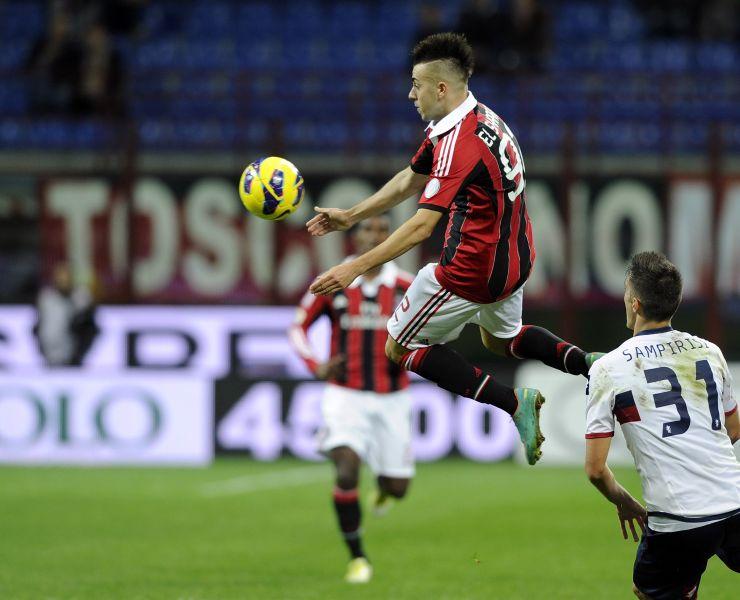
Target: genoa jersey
476,176
671,392
358,315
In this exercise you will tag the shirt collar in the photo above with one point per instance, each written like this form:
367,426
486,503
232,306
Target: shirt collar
656,330
457,115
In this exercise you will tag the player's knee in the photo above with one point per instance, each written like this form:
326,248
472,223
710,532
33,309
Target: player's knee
347,480
347,465
394,486
348,475
393,350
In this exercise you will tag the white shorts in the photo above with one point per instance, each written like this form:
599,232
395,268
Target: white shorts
376,426
429,314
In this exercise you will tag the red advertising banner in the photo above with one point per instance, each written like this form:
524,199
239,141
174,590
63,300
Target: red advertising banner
189,240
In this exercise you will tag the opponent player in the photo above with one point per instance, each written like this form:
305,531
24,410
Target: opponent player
470,168
366,406
671,393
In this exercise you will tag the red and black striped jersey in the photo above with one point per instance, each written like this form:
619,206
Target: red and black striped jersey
476,176
358,315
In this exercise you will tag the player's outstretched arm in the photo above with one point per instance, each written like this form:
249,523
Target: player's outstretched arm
412,232
403,184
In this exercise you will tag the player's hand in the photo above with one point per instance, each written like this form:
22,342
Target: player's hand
332,368
629,511
328,220
335,279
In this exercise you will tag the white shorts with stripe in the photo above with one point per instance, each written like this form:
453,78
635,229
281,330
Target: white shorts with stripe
376,426
429,314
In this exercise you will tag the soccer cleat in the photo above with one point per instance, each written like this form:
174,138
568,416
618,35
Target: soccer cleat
381,503
592,357
359,570
527,421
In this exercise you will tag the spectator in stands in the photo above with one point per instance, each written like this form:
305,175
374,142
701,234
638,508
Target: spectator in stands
720,21
505,41
529,37
65,327
482,23
430,22
53,67
675,19
122,16
100,84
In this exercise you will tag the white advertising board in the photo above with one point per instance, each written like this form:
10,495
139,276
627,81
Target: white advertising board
210,339
74,417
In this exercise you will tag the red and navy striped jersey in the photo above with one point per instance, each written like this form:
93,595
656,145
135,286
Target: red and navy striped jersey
476,176
358,315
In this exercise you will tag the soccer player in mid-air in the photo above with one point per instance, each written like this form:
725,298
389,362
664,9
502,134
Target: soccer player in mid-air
671,392
366,405
470,168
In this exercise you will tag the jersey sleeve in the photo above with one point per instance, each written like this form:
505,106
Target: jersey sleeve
455,164
309,310
600,404
421,162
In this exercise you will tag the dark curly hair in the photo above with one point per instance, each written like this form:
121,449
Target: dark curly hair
657,284
452,47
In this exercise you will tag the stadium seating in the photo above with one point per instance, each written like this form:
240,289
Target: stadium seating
332,77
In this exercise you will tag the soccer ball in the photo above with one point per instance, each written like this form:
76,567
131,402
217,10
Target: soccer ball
271,188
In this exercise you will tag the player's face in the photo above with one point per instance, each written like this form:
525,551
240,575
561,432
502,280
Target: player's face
370,233
425,92
629,301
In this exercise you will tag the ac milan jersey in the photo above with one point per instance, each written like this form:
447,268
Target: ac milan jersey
477,177
358,315
670,392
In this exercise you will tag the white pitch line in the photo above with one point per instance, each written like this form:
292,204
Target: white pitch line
267,481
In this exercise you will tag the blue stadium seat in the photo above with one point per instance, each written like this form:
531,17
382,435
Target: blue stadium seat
22,20
13,55
13,99
625,24
718,57
673,56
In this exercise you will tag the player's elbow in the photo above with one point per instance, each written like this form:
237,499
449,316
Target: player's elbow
423,231
423,228
595,472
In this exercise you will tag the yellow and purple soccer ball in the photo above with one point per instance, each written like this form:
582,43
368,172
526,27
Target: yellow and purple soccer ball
271,188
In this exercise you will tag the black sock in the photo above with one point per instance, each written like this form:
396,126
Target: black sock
451,371
540,344
347,505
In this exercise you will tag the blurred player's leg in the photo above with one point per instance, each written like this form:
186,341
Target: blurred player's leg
388,491
392,459
346,500
349,515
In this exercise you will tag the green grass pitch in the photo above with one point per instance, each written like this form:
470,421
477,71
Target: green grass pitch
242,529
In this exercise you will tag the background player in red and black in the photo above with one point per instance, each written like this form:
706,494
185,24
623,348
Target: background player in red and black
366,405
471,169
